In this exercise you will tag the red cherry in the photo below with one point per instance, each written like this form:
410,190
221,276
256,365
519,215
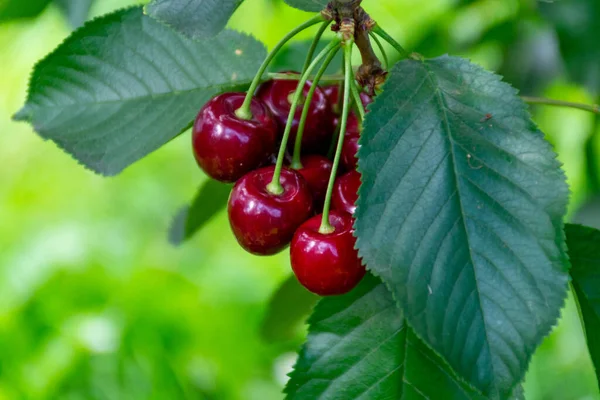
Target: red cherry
349,152
353,125
264,223
319,123
327,264
345,192
227,147
316,171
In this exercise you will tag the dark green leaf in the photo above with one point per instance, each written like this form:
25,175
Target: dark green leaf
16,9
194,18
308,5
292,57
76,11
460,213
359,347
211,199
124,85
577,23
584,251
287,310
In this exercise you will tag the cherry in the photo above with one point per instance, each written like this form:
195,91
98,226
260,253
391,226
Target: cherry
316,170
327,264
353,125
262,222
345,192
349,151
277,95
227,147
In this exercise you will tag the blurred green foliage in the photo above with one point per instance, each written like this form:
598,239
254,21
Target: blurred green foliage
96,304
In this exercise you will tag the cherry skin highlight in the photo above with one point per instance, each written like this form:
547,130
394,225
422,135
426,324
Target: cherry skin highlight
227,147
327,264
316,170
262,222
345,192
318,129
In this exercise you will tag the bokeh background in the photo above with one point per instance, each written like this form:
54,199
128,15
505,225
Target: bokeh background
96,304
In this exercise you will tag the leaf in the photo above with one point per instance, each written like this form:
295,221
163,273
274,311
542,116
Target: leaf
584,251
577,25
211,199
359,347
76,11
308,5
196,19
124,85
460,213
17,9
288,308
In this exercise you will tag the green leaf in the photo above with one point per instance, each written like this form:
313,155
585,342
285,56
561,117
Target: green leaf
288,308
308,5
194,18
211,199
584,251
460,213
76,11
577,25
17,9
124,85
359,347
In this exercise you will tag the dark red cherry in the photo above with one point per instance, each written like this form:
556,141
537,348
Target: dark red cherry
349,152
264,223
227,147
333,92
327,264
318,129
345,192
316,171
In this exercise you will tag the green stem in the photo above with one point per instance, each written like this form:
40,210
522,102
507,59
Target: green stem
275,186
594,108
296,163
381,49
357,100
326,227
244,111
315,43
289,76
385,36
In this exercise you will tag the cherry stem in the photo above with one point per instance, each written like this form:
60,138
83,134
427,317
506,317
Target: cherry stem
296,163
385,36
244,111
357,100
275,186
315,43
386,61
289,76
593,108
326,227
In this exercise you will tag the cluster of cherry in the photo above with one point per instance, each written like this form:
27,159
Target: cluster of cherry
230,148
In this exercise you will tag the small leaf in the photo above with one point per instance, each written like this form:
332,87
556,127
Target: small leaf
288,309
17,9
460,213
211,199
194,18
308,5
76,11
124,85
584,251
359,347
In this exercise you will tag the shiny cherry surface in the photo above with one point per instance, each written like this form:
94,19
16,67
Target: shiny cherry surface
227,147
327,264
316,170
345,192
277,94
349,152
264,223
